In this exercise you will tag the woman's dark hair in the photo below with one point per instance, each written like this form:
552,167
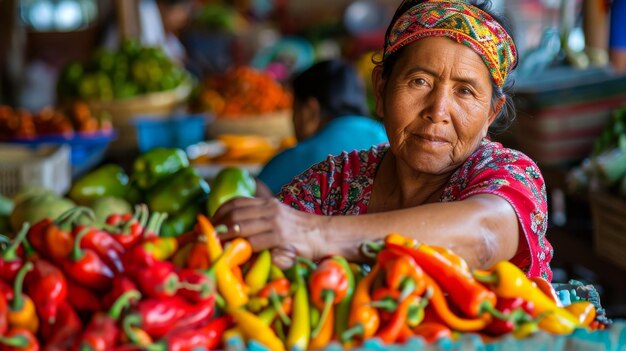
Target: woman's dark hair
507,114
337,87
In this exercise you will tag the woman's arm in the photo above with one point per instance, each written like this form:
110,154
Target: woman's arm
483,229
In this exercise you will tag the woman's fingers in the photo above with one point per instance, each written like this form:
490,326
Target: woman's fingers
266,240
236,205
284,257
246,228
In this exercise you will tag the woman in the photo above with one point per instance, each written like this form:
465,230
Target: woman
329,98
439,87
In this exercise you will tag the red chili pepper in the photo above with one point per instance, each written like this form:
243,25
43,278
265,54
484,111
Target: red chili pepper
4,314
157,317
279,286
328,285
126,229
102,243
432,331
208,337
10,260
81,298
199,256
398,268
195,285
47,286
86,267
102,332
391,331
121,284
155,278
57,237
517,311
62,334
463,290
19,339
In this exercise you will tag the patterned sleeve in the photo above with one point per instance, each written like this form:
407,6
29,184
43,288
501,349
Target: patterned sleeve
308,189
516,178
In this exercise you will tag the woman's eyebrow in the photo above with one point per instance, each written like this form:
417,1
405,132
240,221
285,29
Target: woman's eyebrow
457,78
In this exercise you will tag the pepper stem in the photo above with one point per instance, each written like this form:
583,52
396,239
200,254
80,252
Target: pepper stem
408,286
77,252
159,223
71,216
329,297
10,254
279,309
132,320
19,341
350,333
486,277
221,229
486,306
122,302
370,249
17,303
308,263
386,304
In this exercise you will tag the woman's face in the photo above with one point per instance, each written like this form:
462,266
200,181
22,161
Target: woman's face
435,104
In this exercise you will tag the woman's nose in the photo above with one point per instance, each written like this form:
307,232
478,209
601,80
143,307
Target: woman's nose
437,104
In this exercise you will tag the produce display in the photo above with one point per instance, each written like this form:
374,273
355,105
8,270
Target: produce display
128,72
70,282
238,149
243,92
21,124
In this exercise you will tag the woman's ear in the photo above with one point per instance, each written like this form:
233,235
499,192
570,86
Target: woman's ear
493,114
378,83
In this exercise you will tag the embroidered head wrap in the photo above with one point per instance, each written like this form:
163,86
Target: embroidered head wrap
461,22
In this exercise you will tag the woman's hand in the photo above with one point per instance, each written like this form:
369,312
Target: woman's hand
269,224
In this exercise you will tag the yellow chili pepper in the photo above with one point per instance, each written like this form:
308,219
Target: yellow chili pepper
22,312
300,330
275,273
259,272
232,289
161,248
256,329
508,281
585,311
212,241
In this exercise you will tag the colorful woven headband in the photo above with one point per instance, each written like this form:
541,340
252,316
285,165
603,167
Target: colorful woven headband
462,22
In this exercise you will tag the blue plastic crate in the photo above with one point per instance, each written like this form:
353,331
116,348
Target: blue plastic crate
87,149
177,131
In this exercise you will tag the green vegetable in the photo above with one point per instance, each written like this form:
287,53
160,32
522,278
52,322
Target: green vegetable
107,180
229,183
158,164
6,206
610,166
107,205
171,195
182,221
38,207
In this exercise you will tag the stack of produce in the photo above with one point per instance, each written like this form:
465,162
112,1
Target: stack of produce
23,125
243,92
162,178
113,75
73,284
238,149
606,168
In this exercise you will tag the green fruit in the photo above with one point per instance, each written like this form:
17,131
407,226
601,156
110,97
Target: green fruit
36,208
107,205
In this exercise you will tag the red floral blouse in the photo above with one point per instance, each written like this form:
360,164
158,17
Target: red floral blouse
342,185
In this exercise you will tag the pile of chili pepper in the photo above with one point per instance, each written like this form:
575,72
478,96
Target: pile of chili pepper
72,284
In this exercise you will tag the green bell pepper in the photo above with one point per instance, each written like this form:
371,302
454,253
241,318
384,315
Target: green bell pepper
158,164
107,180
174,193
182,221
229,183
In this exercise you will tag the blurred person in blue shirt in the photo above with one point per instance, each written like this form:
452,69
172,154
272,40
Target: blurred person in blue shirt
617,37
330,115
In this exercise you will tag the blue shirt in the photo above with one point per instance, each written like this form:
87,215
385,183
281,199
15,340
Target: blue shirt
617,36
340,134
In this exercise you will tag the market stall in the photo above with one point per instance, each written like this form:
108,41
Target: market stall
134,213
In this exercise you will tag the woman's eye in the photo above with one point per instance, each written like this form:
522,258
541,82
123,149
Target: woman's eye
465,91
420,81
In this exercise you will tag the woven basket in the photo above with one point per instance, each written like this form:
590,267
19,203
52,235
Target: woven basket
276,125
609,226
122,112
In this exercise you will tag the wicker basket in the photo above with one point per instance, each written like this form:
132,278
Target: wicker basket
276,125
122,112
45,166
609,226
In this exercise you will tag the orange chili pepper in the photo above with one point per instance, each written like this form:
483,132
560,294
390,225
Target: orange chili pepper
364,320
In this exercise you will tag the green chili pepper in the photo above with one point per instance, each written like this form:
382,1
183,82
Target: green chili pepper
182,221
177,191
343,307
158,164
107,180
229,183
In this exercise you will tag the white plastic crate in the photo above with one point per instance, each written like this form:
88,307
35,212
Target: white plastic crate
45,167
